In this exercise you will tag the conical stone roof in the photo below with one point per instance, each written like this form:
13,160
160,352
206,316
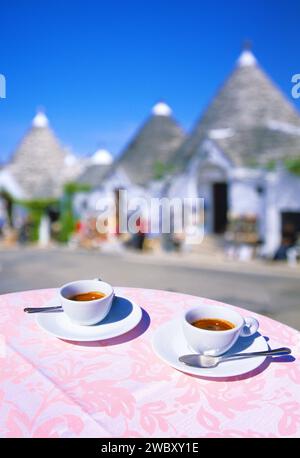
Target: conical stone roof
39,162
249,119
154,143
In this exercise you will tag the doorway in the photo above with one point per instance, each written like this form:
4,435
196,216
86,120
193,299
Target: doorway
220,207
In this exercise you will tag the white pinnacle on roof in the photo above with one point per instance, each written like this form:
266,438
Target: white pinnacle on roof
40,120
102,157
246,59
161,109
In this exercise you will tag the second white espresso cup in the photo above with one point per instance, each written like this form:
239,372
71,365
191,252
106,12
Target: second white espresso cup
86,312
215,343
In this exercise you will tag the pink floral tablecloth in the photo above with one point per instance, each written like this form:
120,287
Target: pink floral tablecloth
120,388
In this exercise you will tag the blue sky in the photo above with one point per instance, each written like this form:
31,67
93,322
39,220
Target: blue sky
97,67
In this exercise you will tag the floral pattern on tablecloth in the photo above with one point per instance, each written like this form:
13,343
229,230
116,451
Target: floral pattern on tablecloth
120,388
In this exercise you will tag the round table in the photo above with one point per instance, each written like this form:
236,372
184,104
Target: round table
120,388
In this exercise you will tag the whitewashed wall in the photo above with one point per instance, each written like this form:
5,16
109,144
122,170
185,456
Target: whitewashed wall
244,199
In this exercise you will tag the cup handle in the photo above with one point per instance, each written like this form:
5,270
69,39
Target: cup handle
250,327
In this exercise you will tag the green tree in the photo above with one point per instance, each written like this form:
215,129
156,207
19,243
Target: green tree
293,165
36,209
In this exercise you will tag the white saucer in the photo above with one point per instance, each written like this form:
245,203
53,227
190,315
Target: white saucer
124,315
169,343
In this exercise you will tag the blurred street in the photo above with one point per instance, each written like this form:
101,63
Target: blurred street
270,290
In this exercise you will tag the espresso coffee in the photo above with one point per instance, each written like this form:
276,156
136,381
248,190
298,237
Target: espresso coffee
91,296
213,324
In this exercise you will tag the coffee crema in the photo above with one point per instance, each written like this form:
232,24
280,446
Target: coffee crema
213,324
90,296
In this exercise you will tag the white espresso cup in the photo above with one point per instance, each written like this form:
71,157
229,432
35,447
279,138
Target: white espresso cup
86,312
216,343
